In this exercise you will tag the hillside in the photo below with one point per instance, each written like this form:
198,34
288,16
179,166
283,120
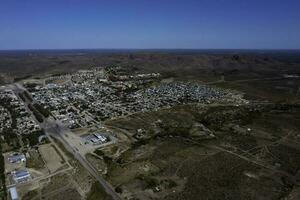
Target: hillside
199,66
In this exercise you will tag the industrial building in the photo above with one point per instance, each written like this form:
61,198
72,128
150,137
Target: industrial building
96,138
17,158
21,176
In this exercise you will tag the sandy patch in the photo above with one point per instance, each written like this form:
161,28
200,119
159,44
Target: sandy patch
51,157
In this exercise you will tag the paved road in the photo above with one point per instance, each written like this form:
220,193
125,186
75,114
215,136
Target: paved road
58,131
53,128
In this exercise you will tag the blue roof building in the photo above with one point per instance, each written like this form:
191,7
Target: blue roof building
17,158
21,176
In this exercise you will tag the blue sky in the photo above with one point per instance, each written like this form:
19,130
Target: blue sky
214,24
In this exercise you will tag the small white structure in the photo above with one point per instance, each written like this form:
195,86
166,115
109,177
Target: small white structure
100,137
13,193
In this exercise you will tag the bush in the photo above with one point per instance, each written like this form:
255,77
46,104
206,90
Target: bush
36,113
41,109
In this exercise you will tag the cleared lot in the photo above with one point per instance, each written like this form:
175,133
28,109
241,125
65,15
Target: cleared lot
52,159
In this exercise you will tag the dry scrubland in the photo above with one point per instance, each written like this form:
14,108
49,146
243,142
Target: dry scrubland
255,153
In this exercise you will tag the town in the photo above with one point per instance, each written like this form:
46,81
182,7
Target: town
90,96
42,115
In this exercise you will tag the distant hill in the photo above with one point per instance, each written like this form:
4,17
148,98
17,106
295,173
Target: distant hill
176,64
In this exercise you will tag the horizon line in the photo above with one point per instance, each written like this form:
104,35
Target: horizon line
243,49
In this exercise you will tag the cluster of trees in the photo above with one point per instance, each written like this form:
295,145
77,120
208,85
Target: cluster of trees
45,112
21,95
30,86
11,138
36,113
27,95
33,138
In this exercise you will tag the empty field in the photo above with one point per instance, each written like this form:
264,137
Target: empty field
52,158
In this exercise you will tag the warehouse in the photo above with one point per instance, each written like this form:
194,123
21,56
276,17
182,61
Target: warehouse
96,138
16,158
21,176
